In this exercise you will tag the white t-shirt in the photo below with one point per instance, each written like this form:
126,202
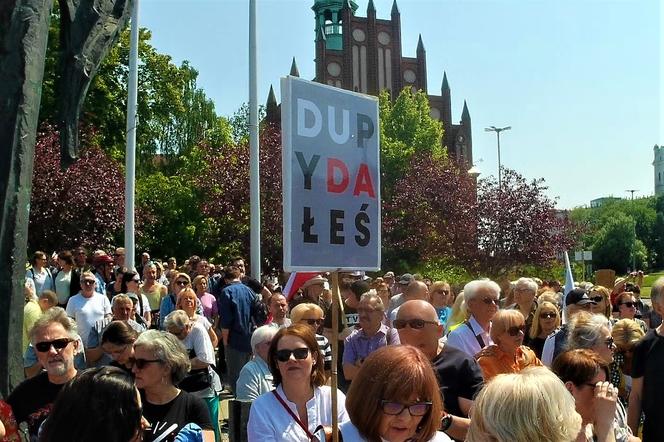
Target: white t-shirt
199,341
87,311
62,285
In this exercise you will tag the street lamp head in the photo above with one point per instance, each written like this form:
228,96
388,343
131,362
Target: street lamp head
474,171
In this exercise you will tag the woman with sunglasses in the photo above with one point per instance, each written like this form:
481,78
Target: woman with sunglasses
507,354
312,316
546,320
160,363
385,407
601,296
586,376
179,282
593,332
627,309
207,301
131,286
300,406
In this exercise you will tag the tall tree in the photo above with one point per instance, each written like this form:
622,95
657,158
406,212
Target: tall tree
614,243
518,224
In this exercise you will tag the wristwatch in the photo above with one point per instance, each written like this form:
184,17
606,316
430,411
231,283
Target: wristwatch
446,422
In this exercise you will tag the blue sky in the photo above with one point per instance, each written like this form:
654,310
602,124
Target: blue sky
579,81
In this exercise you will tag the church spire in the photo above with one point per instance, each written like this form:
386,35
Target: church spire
395,8
445,88
294,71
465,115
420,45
371,7
272,107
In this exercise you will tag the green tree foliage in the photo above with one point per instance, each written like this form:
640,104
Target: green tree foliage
174,114
614,243
406,128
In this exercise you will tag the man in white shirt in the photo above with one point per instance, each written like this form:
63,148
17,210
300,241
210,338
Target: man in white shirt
88,307
481,297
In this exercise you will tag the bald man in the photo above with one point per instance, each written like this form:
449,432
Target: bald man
459,376
414,290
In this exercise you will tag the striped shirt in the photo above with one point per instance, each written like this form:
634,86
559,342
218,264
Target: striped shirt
325,350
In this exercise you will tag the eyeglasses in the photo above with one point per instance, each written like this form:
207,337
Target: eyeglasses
597,298
141,363
316,322
88,281
628,304
57,344
547,315
181,282
516,329
284,355
490,300
367,310
609,342
396,408
416,324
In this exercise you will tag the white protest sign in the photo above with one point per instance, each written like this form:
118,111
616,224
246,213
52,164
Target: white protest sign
331,178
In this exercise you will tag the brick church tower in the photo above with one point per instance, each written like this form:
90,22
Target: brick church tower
364,54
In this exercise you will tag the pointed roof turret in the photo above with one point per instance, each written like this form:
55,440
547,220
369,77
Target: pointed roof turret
271,98
395,8
294,71
420,45
445,87
465,115
371,7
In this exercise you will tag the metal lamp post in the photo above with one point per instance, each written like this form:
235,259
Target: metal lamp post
498,130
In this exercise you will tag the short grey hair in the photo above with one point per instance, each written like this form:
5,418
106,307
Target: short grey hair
526,283
585,330
121,298
262,334
87,273
470,290
54,315
177,319
371,295
657,291
168,349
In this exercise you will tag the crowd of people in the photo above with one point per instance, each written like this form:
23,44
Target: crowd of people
120,354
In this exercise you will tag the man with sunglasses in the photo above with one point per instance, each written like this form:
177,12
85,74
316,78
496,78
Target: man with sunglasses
88,307
459,376
55,341
482,298
525,290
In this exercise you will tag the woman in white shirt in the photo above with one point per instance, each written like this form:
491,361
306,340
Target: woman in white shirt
301,405
394,398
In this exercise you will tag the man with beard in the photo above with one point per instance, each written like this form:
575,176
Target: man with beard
55,340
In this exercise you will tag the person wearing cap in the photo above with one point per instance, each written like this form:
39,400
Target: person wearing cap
103,272
576,300
397,294
388,278
312,290
122,310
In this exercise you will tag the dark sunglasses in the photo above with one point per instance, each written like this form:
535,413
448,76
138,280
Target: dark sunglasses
516,329
416,324
597,298
316,322
489,300
57,344
396,408
182,282
141,363
284,355
88,282
628,304
547,315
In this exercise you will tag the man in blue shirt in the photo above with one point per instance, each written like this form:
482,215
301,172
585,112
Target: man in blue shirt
236,325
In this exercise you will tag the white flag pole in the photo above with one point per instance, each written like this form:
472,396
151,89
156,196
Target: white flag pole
130,155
